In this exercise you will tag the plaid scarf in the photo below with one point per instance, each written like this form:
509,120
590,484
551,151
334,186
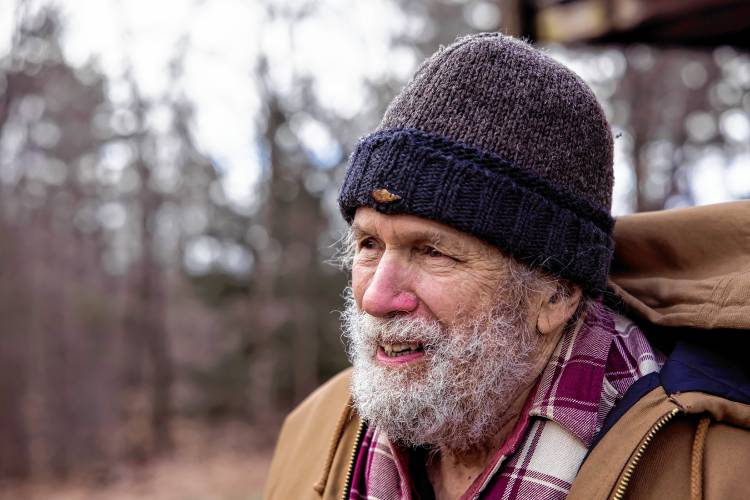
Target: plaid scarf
589,371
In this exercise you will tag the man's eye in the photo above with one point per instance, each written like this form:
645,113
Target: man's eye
367,244
432,252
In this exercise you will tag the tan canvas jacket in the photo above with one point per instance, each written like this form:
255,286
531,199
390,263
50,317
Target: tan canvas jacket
678,268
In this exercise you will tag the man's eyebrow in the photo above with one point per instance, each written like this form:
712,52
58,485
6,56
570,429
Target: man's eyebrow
431,236
357,230
427,235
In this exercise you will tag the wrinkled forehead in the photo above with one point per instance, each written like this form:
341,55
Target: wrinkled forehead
402,229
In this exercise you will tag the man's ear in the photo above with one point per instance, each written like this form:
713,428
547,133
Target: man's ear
556,309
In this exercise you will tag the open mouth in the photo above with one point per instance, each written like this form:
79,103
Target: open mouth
400,353
398,350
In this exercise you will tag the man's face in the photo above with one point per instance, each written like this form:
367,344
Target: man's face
410,266
440,334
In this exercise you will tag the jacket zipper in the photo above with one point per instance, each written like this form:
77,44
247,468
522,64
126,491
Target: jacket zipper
630,468
350,470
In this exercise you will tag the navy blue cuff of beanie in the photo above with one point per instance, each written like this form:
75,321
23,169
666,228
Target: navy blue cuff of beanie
482,194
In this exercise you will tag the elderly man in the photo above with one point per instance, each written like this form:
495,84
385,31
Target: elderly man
485,362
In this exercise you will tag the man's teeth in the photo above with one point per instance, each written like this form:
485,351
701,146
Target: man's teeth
394,350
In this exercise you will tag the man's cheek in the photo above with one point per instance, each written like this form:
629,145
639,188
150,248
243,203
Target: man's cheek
360,279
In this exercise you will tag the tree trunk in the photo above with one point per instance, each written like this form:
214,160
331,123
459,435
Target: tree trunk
14,448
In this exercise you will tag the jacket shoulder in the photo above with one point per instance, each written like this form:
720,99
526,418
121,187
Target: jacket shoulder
309,439
681,432
665,446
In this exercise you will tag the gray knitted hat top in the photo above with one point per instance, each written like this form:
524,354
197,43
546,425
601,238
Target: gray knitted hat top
496,139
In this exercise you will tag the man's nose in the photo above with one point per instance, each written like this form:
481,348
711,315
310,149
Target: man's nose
388,292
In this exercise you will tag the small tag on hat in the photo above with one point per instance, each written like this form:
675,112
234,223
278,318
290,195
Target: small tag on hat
384,196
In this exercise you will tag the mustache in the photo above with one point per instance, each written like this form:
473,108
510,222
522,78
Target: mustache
396,330
371,330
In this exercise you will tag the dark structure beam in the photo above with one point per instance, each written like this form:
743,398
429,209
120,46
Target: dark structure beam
659,22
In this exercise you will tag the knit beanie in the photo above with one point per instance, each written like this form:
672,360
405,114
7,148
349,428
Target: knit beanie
496,139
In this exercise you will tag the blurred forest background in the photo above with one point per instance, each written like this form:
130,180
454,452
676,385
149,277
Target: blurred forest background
164,228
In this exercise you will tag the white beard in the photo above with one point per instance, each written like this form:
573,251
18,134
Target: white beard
457,395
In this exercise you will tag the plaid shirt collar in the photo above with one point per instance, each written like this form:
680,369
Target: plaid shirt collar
592,367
